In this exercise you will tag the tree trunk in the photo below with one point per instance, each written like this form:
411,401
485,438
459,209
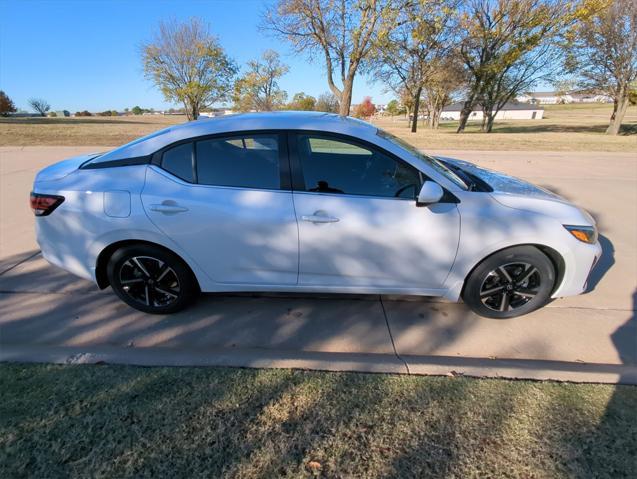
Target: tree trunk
483,125
490,120
414,121
345,101
619,110
464,115
436,117
191,109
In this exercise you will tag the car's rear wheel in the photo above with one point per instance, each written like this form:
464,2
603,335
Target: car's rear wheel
510,283
151,279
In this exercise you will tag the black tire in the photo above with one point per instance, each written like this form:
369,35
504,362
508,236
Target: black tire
151,279
510,283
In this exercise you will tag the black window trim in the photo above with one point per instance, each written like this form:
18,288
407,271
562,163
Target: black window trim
137,160
298,180
290,170
284,162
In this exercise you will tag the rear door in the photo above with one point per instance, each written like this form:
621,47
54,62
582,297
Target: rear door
226,201
359,225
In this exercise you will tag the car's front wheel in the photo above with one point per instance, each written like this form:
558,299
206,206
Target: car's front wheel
510,283
151,279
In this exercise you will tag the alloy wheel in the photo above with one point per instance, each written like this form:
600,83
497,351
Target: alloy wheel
149,281
510,286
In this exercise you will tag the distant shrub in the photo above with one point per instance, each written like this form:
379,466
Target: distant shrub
114,113
83,113
137,110
52,114
6,104
105,113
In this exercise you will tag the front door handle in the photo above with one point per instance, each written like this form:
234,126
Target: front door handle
168,208
319,217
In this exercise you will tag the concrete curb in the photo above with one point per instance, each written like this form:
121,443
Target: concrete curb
324,361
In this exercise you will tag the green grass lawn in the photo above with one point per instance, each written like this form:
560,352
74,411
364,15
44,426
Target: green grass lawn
118,421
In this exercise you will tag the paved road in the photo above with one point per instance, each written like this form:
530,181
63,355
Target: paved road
47,314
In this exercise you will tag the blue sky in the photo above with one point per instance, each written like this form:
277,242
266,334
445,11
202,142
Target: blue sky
84,54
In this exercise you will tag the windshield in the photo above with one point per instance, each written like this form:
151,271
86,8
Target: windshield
428,160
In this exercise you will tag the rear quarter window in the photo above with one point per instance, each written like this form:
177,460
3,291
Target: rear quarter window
178,161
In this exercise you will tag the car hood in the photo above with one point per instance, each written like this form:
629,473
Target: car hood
519,194
62,168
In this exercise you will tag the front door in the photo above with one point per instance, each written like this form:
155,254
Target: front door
359,226
223,201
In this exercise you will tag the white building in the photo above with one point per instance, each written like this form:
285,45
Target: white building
216,112
510,111
555,98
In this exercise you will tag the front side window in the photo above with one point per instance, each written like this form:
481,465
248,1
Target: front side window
336,166
248,162
430,161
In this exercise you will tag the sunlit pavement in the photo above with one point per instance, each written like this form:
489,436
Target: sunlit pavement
48,315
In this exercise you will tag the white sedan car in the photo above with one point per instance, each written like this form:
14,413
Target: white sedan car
306,202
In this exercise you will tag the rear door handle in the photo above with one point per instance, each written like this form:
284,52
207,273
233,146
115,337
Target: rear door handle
168,209
319,218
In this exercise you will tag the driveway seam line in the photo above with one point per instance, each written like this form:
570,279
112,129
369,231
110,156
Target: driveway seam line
20,262
391,336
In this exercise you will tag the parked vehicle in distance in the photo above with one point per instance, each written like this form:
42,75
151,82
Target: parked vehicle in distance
306,202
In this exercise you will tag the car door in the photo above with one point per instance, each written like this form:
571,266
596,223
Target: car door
226,201
359,225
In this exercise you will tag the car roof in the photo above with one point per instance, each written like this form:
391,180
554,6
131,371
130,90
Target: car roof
279,120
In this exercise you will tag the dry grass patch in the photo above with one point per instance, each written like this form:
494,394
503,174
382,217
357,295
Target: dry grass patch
563,128
117,421
81,131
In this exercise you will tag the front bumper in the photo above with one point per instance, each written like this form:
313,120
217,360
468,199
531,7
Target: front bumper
579,264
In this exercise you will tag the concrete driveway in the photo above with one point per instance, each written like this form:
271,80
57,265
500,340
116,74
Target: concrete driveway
49,315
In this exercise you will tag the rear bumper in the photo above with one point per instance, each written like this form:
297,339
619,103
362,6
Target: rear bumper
60,250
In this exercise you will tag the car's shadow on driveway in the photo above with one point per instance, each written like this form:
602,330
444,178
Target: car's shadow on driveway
42,306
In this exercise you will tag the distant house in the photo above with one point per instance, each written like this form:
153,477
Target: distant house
510,111
544,98
582,97
217,112
555,98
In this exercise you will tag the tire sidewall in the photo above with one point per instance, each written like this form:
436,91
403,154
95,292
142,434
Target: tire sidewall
526,254
187,283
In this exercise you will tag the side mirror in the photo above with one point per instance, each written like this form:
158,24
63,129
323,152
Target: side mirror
431,192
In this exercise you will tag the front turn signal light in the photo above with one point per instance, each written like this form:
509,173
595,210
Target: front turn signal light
586,234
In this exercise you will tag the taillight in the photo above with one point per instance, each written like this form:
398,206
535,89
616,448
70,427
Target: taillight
43,205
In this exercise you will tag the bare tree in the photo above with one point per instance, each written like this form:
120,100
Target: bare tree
501,87
259,89
343,32
327,102
40,106
443,84
409,55
507,46
603,55
188,65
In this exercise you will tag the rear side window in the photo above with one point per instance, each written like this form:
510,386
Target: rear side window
334,166
178,160
248,162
